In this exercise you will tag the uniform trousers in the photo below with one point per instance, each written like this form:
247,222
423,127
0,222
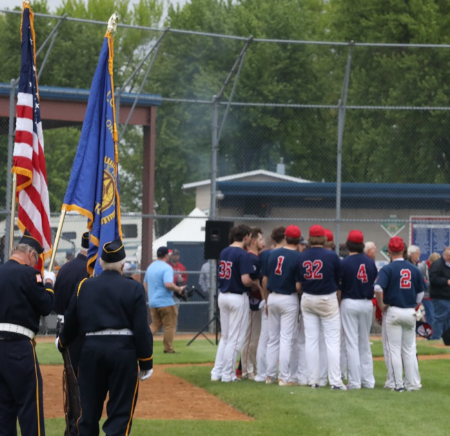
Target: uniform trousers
356,316
322,310
297,366
234,310
389,383
249,349
20,389
108,364
400,328
261,361
167,317
283,315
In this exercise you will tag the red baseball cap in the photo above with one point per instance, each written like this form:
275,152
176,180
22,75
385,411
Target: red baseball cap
396,244
316,230
292,232
356,236
329,235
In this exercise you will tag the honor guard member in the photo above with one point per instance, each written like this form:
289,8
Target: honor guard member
234,271
319,271
282,282
24,298
358,274
69,276
111,311
403,286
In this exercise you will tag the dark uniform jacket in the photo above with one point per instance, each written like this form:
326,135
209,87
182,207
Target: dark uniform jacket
110,301
69,276
23,296
439,275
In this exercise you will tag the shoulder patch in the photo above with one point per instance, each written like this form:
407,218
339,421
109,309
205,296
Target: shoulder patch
38,278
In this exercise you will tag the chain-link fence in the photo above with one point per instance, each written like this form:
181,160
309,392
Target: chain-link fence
263,132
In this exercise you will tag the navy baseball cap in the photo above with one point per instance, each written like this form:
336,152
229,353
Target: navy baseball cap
162,251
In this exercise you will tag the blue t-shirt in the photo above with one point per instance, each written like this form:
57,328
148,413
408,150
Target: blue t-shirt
158,273
401,281
234,262
319,271
358,274
281,271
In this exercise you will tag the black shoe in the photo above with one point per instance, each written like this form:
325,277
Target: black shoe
315,386
399,389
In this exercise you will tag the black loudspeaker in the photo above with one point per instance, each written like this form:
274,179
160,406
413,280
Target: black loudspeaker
216,237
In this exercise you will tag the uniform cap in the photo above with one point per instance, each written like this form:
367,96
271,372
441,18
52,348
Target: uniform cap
316,230
113,251
32,242
396,244
292,232
356,236
85,240
329,235
162,251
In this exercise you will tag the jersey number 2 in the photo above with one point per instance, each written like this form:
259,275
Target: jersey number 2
362,274
405,280
313,270
225,269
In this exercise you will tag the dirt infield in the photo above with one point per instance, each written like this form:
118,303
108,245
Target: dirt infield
160,397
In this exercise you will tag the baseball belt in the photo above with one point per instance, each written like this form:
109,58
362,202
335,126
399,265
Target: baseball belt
14,328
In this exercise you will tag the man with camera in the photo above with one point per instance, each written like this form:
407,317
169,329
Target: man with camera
159,283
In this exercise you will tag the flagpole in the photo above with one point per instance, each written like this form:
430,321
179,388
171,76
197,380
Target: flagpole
13,213
57,238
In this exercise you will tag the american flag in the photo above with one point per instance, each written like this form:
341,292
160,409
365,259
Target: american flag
29,159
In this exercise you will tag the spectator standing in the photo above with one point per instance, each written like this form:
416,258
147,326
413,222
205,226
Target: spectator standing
204,278
370,249
426,302
413,254
159,283
440,293
180,278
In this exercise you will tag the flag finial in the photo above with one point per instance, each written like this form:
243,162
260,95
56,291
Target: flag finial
113,21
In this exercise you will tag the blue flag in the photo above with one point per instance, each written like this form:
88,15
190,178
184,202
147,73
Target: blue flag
93,186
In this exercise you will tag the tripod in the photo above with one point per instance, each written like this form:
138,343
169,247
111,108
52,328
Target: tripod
215,319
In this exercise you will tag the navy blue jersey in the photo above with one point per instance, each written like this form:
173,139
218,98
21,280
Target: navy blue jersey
263,257
281,270
234,262
319,271
256,262
401,282
358,274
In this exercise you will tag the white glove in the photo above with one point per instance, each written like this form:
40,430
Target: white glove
144,375
57,343
48,275
418,314
262,303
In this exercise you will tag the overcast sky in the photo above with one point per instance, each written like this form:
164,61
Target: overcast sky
53,4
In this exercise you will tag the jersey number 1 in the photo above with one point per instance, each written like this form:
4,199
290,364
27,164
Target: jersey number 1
279,268
362,274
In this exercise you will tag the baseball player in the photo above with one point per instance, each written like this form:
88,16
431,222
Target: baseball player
319,271
234,282
281,280
358,274
248,354
278,241
403,287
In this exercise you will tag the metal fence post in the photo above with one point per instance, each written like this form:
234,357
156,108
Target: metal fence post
341,120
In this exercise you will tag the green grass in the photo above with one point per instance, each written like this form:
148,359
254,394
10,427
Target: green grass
301,410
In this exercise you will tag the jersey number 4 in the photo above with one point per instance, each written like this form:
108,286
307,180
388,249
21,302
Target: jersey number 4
362,274
279,268
405,279
225,269
313,270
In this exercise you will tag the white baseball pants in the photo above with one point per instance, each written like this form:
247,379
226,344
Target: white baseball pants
389,384
297,366
261,362
234,310
283,313
356,316
249,349
400,328
322,310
